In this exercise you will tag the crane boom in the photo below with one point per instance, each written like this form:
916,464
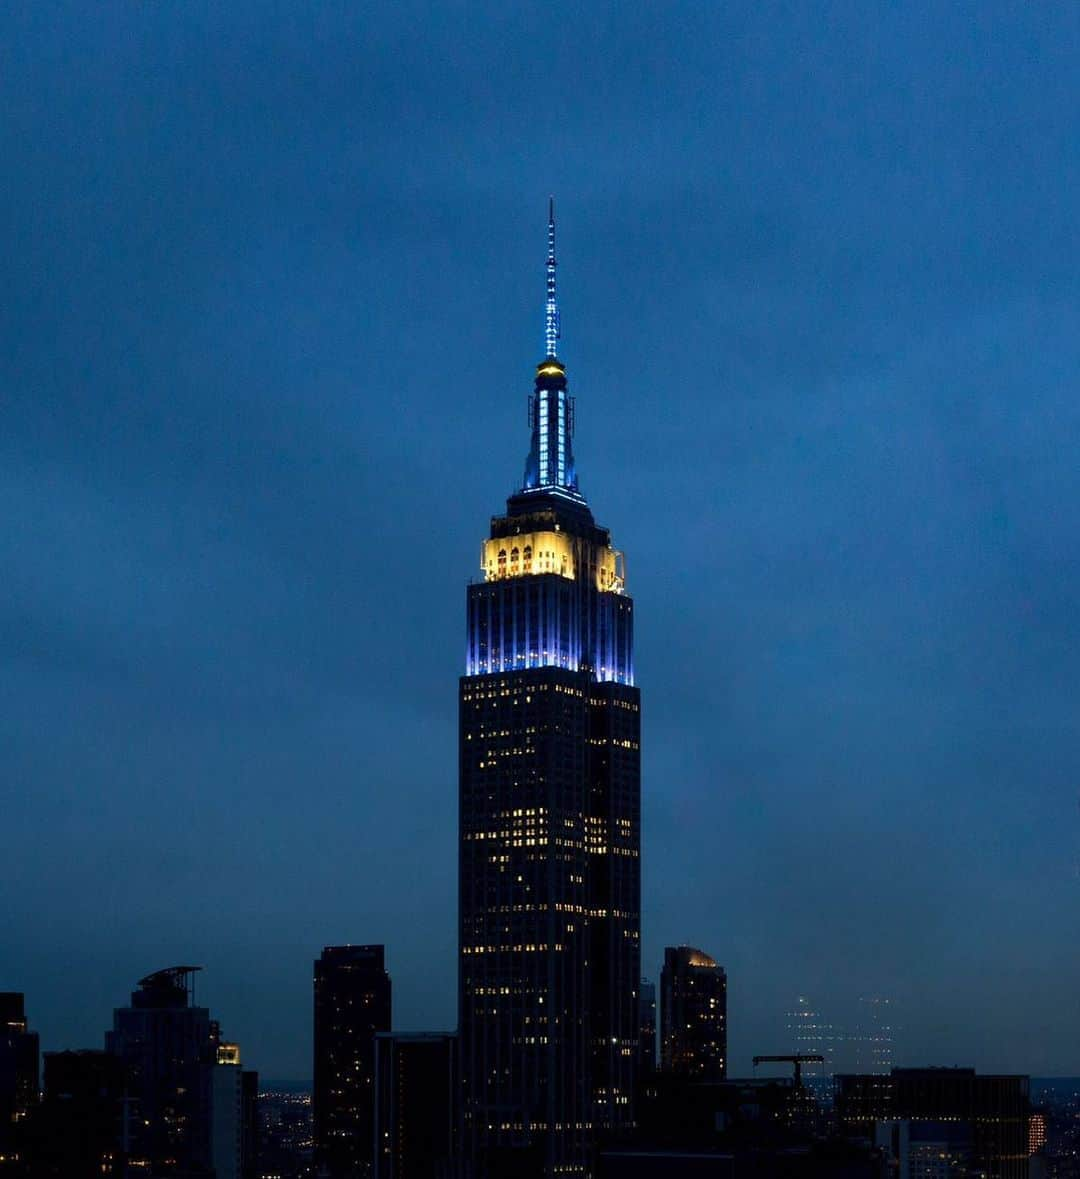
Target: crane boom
798,1059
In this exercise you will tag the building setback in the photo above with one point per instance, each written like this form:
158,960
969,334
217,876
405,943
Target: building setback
550,784
352,1004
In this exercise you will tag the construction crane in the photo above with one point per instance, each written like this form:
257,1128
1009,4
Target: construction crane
798,1059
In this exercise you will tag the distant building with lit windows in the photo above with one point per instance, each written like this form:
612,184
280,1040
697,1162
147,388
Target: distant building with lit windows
1036,1132
18,1068
352,1004
693,1015
550,785
811,1035
867,1046
873,1037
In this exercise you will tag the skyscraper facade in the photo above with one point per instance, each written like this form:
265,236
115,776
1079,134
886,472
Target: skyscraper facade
166,1044
693,1015
352,1004
549,831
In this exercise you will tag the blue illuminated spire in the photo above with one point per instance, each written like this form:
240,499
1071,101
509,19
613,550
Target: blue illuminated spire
551,311
550,465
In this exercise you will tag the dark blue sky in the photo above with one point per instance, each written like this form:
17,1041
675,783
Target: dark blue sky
272,297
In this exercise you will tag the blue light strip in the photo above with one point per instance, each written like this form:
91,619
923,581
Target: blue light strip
537,622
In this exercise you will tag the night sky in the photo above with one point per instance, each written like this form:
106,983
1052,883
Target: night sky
272,298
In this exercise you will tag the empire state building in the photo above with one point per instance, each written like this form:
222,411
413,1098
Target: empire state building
550,800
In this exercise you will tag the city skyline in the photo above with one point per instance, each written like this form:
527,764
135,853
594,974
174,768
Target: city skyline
262,377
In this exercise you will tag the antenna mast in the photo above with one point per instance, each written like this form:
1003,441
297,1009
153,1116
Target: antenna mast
551,311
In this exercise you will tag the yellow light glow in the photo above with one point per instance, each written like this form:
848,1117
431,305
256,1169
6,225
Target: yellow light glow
527,554
610,570
228,1053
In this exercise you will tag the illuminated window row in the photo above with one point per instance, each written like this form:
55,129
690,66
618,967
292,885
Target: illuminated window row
522,948
506,836
624,704
484,732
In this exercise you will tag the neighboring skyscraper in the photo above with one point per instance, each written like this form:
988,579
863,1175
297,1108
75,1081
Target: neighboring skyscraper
18,1067
549,886
416,1085
693,1015
167,1046
352,1004
182,1096
647,1029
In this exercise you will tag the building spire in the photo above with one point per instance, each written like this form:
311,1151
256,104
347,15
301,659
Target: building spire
550,465
551,311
